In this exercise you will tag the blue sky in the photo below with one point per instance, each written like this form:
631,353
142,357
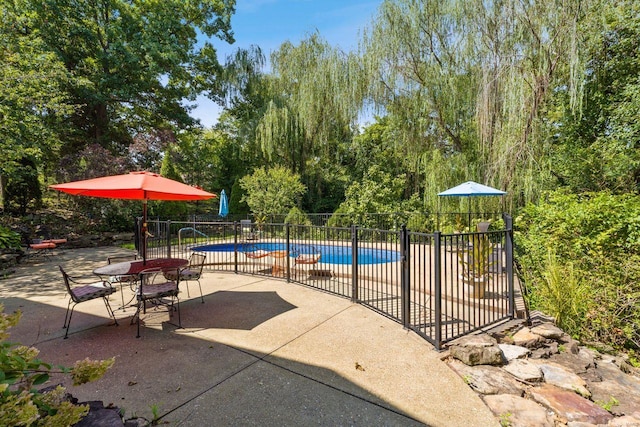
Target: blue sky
269,23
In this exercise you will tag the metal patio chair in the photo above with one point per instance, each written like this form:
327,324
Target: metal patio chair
82,291
155,289
190,273
125,279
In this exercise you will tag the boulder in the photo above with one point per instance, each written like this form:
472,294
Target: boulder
525,338
486,379
559,376
524,370
512,352
569,406
517,411
548,330
477,350
625,421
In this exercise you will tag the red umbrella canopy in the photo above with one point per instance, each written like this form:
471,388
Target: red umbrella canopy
134,186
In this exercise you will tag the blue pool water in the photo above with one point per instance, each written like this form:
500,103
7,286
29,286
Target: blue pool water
330,254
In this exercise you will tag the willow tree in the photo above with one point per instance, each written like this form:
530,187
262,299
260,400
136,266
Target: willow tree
312,107
467,82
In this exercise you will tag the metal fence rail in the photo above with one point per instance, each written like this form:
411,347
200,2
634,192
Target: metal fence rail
441,286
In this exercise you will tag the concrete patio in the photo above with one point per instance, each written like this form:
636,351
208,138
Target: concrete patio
259,351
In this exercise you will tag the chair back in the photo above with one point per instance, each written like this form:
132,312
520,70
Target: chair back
67,283
196,262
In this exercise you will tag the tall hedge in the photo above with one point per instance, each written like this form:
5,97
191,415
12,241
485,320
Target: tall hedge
580,260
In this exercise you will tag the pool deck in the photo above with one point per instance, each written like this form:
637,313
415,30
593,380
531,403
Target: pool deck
259,351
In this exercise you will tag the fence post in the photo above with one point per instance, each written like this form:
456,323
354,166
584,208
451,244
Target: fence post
288,249
438,285
235,247
354,264
405,277
508,222
169,238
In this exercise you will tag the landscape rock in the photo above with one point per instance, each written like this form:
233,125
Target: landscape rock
557,375
625,421
512,352
525,338
579,362
486,379
569,406
524,370
477,350
545,375
517,411
548,330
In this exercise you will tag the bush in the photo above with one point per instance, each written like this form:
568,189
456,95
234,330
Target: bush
8,238
297,217
21,370
586,249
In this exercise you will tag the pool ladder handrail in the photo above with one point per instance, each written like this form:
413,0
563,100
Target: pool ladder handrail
188,228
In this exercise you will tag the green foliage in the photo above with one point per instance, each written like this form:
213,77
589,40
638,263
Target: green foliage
271,191
563,294
377,192
340,218
609,404
297,217
237,205
23,189
21,370
592,276
420,222
597,147
8,238
476,259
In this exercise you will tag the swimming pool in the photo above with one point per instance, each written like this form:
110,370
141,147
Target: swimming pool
330,254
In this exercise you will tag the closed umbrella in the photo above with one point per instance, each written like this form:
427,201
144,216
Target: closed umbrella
135,186
224,204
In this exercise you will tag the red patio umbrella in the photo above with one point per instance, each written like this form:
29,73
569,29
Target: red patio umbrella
135,186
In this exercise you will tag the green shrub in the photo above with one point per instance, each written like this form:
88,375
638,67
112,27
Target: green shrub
297,217
594,268
8,238
21,370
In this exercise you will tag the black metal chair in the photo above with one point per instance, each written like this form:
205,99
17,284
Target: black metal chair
192,272
126,279
154,288
81,291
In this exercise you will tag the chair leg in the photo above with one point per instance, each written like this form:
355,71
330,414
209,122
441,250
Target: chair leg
179,319
138,318
67,321
200,286
110,310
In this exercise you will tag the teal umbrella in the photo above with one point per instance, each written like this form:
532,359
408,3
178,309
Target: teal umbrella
471,189
224,204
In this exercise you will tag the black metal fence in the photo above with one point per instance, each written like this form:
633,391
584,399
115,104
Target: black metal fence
442,286
416,221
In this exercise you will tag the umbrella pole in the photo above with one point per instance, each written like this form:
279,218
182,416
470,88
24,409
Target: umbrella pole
144,232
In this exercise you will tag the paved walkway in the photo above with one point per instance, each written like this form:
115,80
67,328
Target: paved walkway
257,352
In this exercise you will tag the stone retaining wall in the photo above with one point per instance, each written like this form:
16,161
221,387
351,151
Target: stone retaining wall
540,376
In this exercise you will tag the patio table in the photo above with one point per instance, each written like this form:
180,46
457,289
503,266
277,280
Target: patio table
134,268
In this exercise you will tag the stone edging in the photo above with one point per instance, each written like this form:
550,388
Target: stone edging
539,376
